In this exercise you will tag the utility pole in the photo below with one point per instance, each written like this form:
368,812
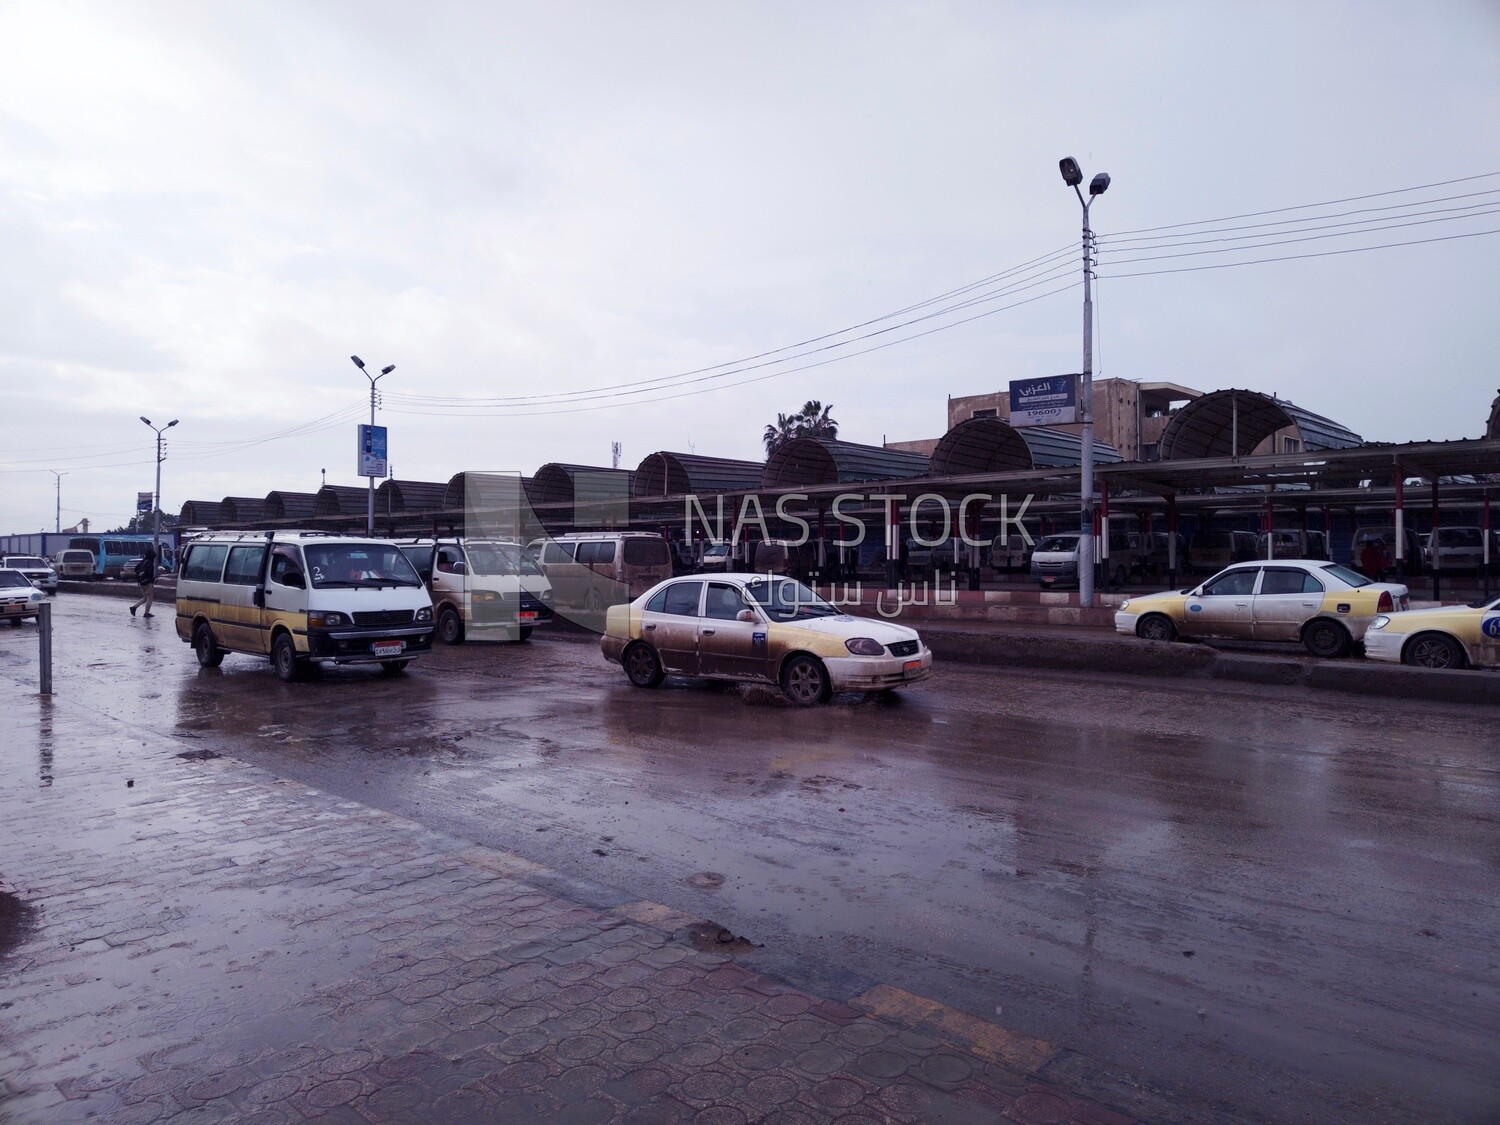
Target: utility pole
1073,176
384,371
156,534
58,482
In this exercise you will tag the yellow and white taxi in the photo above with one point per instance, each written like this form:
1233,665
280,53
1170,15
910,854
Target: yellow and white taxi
760,628
1448,636
1325,606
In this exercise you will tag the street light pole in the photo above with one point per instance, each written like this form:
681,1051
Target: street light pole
156,503
1073,176
58,482
384,371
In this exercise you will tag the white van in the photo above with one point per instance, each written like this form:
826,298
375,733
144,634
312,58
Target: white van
595,569
300,597
1055,559
487,589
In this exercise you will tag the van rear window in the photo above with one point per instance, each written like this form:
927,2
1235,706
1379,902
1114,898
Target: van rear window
646,552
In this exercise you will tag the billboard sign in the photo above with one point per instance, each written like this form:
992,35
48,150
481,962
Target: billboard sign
1044,402
142,502
372,451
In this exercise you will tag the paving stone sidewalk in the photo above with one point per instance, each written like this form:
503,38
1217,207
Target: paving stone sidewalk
199,940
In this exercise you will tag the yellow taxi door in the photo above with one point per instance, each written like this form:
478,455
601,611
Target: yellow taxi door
1222,606
728,646
670,626
1287,597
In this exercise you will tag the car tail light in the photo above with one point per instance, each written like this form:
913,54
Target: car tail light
1386,605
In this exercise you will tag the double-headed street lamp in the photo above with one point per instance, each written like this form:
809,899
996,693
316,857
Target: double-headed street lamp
1073,176
384,371
156,534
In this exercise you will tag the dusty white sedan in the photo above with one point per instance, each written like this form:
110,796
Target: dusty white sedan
19,599
759,627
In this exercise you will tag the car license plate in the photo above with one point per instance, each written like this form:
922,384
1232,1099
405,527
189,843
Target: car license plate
387,648
527,616
911,668
14,607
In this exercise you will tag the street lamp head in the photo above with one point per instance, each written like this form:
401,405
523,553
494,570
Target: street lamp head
145,420
172,423
1099,184
359,363
1072,175
388,370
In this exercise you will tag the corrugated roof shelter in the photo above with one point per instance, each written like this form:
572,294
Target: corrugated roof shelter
678,474
493,504
343,500
815,460
242,509
291,505
1493,429
1232,423
558,483
993,445
410,496
199,513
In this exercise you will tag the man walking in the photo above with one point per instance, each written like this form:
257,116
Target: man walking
145,577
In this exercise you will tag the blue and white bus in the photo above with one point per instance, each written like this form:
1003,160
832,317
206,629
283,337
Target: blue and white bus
115,556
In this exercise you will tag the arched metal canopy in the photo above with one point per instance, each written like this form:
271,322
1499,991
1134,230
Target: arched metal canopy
993,445
410,496
242,509
1493,429
678,474
290,505
200,513
814,460
557,483
485,490
1232,423
342,500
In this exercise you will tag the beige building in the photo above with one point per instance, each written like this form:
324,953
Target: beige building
1127,415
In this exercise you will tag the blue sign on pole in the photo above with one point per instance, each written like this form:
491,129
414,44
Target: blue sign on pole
372,451
1044,402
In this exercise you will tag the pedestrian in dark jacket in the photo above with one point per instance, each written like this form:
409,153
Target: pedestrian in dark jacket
145,577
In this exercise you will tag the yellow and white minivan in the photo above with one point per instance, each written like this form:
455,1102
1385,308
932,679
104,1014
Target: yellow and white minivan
484,589
301,597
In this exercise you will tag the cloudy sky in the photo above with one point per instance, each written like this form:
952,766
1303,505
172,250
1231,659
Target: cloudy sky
574,224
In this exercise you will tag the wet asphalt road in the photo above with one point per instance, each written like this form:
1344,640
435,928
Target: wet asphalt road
1247,901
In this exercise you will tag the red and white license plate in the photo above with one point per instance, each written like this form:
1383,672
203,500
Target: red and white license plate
388,648
911,668
15,607
527,616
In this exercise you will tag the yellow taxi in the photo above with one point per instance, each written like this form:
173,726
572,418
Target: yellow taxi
1325,606
759,628
1448,636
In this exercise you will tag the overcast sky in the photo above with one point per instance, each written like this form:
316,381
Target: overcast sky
205,208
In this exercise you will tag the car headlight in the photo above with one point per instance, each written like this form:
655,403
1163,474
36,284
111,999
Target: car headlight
1125,604
864,646
37,597
1380,622
483,596
326,620
424,614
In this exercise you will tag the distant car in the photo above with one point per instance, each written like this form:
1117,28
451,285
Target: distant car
759,628
76,563
1458,548
19,599
38,571
1325,606
1449,636
716,557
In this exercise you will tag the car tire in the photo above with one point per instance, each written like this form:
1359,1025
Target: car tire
642,666
1156,627
1433,650
285,660
209,654
1326,639
450,626
525,632
593,604
805,681
393,667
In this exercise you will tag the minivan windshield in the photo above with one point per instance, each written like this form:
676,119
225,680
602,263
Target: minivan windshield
358,565
1063,543
499,559
785,598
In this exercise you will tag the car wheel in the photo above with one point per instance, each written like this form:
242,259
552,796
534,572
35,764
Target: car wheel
393,667
1155,627
525,632
593,603
805,681
1327,639
1433,650
284,659
209,654
642,666
450,627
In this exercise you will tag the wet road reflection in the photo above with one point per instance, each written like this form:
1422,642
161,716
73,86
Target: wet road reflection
1261,899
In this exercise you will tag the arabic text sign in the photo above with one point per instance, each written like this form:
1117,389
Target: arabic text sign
1044,402
372,451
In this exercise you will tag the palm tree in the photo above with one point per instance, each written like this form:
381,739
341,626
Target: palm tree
813,420
782,431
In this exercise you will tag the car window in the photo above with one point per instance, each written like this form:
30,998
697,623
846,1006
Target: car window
205,562
359,564
682,599
554,552
658,602
1345,575
9,578
283,560
1287,580
244,565
646,552
723,603
1060,543
1231,583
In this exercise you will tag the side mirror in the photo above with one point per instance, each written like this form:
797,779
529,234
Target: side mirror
460,568
746,615
294,579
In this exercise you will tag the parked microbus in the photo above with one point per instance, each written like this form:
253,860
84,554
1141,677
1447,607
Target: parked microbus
595,569
486,589
299,598
115,556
